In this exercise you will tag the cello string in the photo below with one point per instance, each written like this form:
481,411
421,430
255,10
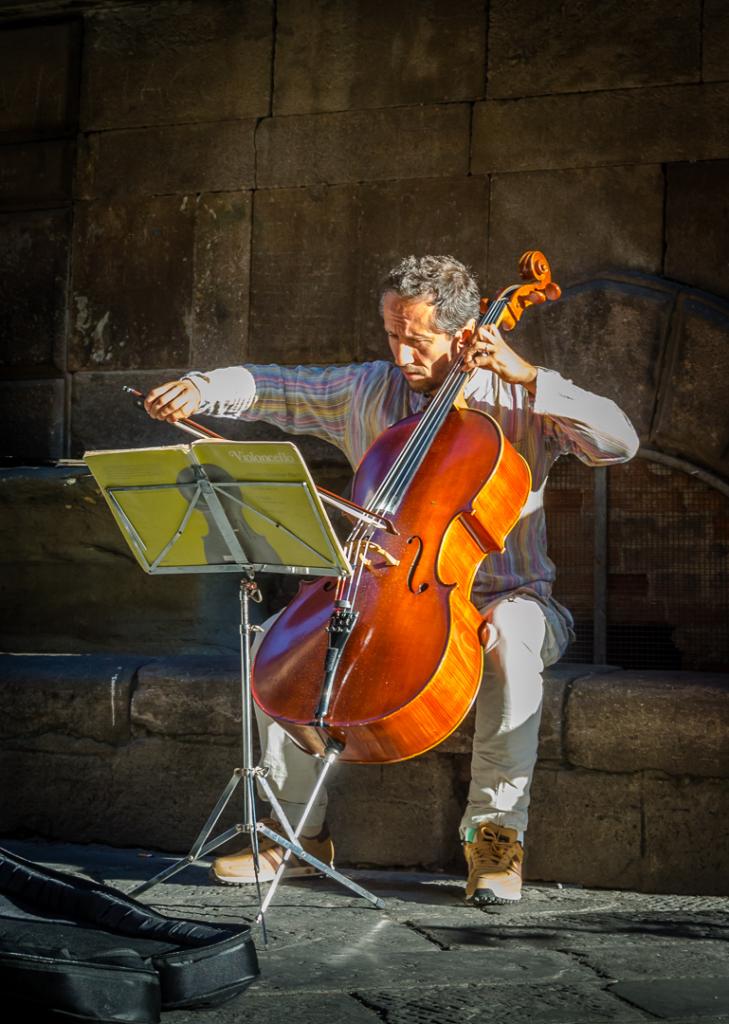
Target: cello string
400,476
343,581
356,578
393,483
418,445
402,471
435,419
362,533
409,459
425,430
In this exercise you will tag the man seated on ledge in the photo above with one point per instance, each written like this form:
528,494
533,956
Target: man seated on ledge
429,305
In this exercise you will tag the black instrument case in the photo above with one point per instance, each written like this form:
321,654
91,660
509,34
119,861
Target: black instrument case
76,950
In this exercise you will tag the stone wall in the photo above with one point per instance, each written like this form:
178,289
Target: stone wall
201,183
630,790
195,184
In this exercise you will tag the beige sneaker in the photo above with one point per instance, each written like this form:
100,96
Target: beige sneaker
494,856
238,868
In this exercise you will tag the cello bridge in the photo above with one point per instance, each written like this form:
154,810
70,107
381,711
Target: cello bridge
367,562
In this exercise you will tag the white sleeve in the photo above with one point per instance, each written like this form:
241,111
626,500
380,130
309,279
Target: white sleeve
586,425
226,392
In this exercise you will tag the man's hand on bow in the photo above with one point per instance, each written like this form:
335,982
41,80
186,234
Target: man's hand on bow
174,401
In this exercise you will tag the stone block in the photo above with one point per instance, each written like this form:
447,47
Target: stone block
550,726
402,815
562,49
585,828
221,281
102,601
176,63
304,283
55,795
673,722
686,835
130,252
70,583
32,419
691,414
683,122
594,328
187,776
127,255
83,697
352,146
715,41
424,51
36,175
590,220
34,255
174,159
154,793
188,697
319,257
42,63
697,211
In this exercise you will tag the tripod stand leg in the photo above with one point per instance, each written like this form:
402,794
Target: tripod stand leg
295,847
215,814
185,862
200,846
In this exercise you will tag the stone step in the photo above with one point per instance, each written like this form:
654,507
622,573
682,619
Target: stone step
630,789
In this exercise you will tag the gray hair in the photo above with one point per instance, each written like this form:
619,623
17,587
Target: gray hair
441,280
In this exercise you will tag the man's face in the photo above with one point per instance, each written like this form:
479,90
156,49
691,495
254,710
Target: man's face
420,350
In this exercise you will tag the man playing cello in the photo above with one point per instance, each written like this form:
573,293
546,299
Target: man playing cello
429,307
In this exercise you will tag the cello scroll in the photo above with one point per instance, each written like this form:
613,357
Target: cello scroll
538,288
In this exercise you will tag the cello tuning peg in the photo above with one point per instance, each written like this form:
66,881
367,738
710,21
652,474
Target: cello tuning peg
483,305
552,291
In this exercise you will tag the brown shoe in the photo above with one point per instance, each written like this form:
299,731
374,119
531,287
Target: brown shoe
239,868
494,856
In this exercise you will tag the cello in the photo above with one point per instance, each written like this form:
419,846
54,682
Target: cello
340,668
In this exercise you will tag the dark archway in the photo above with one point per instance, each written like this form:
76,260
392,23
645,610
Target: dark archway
643,549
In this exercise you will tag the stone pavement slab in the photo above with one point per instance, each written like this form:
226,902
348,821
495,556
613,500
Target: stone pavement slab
662,997
323,966
564,955
556,1004
316,1009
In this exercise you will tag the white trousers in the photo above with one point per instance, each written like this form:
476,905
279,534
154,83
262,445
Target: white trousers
526,634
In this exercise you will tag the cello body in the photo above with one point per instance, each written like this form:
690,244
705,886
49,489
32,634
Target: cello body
412,666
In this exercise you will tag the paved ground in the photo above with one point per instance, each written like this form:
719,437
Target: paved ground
563,955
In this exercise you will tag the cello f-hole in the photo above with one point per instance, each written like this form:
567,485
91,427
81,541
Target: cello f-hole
416,561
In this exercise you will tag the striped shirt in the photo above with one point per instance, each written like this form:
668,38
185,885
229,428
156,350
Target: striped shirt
350,406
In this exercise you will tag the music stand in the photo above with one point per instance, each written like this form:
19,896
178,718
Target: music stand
228,506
